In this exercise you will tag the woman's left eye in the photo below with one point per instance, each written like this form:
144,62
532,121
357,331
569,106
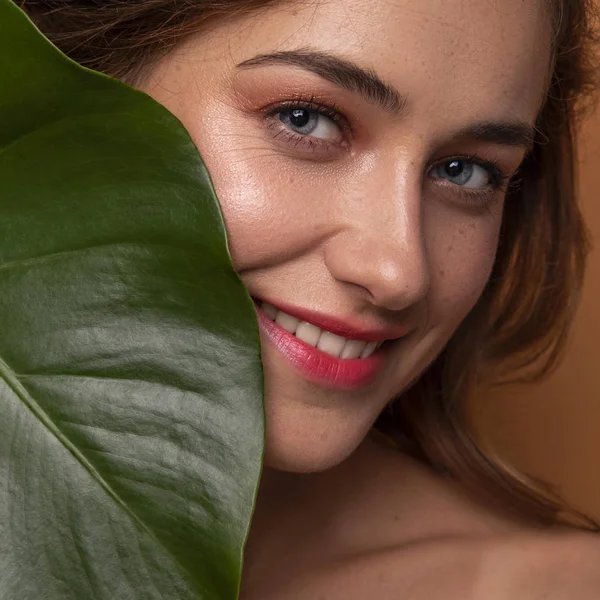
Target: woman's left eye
310,122
463,173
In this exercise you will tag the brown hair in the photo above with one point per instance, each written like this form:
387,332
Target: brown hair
520,323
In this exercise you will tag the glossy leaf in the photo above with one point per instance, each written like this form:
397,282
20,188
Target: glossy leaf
131,418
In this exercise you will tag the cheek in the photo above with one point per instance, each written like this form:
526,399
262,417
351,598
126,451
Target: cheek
262,207
238,162
461,256
257,198
274,208
257,224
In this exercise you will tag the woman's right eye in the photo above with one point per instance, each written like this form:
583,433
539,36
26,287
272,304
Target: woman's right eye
311,123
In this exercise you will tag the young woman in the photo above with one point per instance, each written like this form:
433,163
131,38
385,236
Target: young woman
397,183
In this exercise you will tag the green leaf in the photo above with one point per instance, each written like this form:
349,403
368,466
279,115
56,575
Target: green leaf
131,417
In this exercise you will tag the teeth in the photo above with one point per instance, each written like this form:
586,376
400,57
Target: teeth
369,349
353,349
269,310
286,321
309,333
330,343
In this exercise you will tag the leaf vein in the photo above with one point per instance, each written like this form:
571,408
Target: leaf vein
12,380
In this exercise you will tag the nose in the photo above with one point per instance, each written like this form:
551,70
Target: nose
379,245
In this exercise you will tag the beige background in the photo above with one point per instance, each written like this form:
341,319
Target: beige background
553,429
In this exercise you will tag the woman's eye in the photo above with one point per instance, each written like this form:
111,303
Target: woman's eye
310,123
463,173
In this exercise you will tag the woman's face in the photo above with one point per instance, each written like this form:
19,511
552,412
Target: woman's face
360,151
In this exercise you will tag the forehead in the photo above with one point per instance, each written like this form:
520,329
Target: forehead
487,58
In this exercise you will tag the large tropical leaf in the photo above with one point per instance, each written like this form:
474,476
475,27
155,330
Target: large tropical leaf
131,418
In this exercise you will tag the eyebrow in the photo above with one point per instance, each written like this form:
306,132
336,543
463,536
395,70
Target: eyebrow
339,71
512,133
348,75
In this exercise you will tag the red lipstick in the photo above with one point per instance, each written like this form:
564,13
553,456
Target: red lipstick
318,366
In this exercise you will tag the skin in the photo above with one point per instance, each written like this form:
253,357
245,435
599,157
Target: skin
356,220
361,229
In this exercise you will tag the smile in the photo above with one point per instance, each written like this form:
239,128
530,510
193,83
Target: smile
321,355
326,341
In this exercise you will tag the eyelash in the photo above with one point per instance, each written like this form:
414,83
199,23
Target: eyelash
499,178
311,143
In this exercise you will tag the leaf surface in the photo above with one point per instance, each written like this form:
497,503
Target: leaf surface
131,417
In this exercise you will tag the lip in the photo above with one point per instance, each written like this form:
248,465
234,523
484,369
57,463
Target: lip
345,328
317,366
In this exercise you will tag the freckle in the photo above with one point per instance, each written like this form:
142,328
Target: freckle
450,248
442,273
178,67
461,231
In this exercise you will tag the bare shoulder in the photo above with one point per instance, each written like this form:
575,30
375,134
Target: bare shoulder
519,566
428,570
562,566
406,534
553,566
516,567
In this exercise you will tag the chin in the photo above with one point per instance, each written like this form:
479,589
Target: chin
303,460
306,446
